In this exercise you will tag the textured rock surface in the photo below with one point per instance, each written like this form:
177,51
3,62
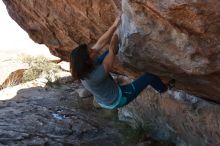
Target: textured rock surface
180,39
54,116
186,120
11,73
13,79
63,24
11,68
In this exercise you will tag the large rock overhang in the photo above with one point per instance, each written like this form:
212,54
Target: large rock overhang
175,39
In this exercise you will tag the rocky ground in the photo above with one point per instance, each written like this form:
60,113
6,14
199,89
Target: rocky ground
45,113
53,116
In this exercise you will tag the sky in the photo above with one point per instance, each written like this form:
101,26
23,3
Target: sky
13,39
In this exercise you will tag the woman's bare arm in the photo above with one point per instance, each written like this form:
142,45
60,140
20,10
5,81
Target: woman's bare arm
105,38
113,49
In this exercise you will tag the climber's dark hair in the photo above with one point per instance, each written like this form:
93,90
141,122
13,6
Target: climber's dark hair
80,62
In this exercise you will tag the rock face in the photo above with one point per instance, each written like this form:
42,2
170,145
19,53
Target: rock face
12,70
177,39
13,79
63,24
183,119
180,39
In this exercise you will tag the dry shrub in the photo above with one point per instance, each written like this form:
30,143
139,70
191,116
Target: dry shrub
39,65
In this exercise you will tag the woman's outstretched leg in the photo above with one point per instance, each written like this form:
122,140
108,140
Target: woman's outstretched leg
132,90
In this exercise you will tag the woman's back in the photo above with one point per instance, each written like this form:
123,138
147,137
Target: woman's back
102,86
